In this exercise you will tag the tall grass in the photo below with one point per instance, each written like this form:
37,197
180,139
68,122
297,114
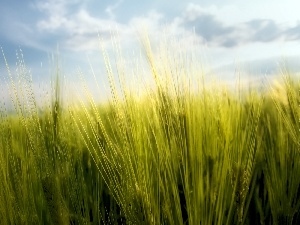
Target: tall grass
186,152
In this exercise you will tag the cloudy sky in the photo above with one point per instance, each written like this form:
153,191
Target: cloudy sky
256,34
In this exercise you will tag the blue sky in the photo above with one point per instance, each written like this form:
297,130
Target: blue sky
257,34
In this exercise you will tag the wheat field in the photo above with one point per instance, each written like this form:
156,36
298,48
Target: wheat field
183,152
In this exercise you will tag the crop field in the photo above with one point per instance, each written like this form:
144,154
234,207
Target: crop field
183,152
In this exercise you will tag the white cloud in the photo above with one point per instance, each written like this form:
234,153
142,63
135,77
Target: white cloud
56,11
111,8
57,7
218,26
80,29
152,20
